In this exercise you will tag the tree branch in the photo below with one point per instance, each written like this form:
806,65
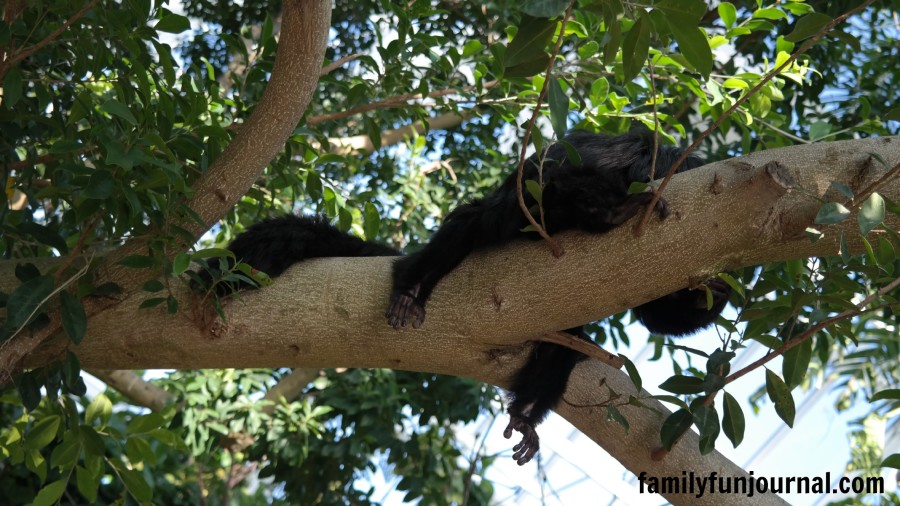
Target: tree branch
134,388
362,144
735,212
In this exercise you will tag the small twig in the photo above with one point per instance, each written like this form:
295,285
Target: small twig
21,164
387,103
857,201
555,248
652,79
16,56
327,69
582,346
799,140
76,251
657,194
58,289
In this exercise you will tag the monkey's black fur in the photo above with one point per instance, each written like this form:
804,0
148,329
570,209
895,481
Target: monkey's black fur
275,244
591,196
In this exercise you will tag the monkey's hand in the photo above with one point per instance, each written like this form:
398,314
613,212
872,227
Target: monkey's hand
530,444
405,308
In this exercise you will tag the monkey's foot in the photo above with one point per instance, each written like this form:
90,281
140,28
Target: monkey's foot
405,308
530,444
662,208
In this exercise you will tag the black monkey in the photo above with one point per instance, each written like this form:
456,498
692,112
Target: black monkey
591,196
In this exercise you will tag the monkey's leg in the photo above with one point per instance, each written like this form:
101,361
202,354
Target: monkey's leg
416,275
536,388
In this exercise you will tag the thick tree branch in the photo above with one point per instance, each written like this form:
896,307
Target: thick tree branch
328,312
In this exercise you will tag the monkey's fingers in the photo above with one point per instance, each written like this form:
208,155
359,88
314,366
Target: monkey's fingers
403,309
530,444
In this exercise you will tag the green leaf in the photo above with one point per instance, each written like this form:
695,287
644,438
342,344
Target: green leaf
781,397
27,299
632,372
680,384
892,461
212,252
732,420
154,285
573,157
180,263
871,213
119,110
635,48
808,25
51,493
559,108
832,213
87,483
12,87
693,44
614,415
66,453
733,283
675,426
707,421
796,363
717,360
145,423
530,41
134,482
42,433
100,186
29,390
74,319
473,46
173,23
671,399
890,394
843,189
371,221
534,189
692,9
529,68
138,261
819,130
151,302
36,463
171,304
727,13
71,371
769,13
100,409
44,235
545,8
599,91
